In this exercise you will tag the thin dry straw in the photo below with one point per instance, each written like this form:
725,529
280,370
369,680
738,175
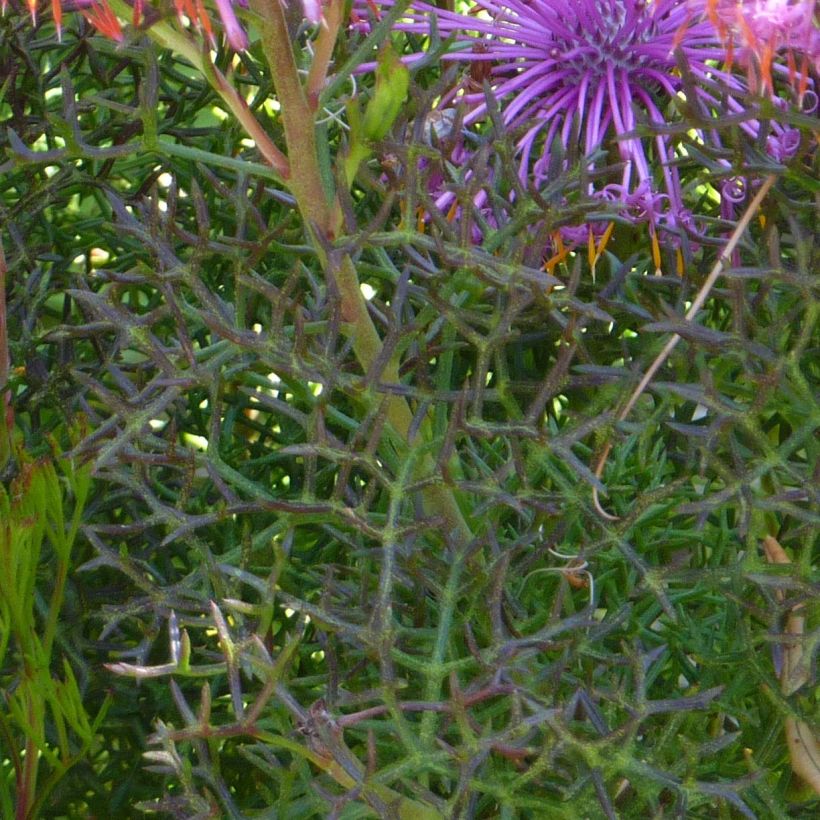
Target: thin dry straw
697,304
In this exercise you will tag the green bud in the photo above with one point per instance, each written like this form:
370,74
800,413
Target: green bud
392,84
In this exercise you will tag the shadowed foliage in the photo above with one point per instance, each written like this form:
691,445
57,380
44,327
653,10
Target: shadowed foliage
260,600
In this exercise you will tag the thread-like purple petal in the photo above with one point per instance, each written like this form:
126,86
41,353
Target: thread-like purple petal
596,69
237,38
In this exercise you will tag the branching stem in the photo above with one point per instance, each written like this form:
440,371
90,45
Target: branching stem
166,35
323,50
322,215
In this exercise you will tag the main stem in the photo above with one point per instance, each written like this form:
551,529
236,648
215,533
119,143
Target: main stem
305,181
6,418
322,214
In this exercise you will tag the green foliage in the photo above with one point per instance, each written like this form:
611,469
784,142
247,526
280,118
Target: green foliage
254,613
389,95
43,718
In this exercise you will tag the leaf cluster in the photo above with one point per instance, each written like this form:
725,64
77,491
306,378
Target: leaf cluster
259,598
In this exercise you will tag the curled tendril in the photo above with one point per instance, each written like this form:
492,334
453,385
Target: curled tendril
734,189
573,569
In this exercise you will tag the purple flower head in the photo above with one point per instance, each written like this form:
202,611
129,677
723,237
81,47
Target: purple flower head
599,76
588,72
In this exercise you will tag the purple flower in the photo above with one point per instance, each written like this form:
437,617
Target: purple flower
591,75
237,39
589,72
782,146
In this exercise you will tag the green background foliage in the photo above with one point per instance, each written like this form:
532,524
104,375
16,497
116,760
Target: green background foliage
258,615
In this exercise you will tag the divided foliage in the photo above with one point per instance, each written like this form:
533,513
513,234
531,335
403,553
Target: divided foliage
264,607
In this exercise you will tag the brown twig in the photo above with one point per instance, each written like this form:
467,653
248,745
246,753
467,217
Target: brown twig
804,750
697,304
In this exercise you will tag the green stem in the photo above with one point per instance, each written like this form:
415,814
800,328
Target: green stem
168,37
367,345
305,181
55,605
26,790
322,215
9,745
165,146
6,418
323,50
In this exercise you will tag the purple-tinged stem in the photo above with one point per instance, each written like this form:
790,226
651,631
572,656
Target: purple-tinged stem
323,50
322,214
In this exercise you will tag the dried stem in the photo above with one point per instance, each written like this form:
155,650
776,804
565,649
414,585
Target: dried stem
804,749
697,304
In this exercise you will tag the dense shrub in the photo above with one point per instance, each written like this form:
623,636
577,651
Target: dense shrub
338,566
